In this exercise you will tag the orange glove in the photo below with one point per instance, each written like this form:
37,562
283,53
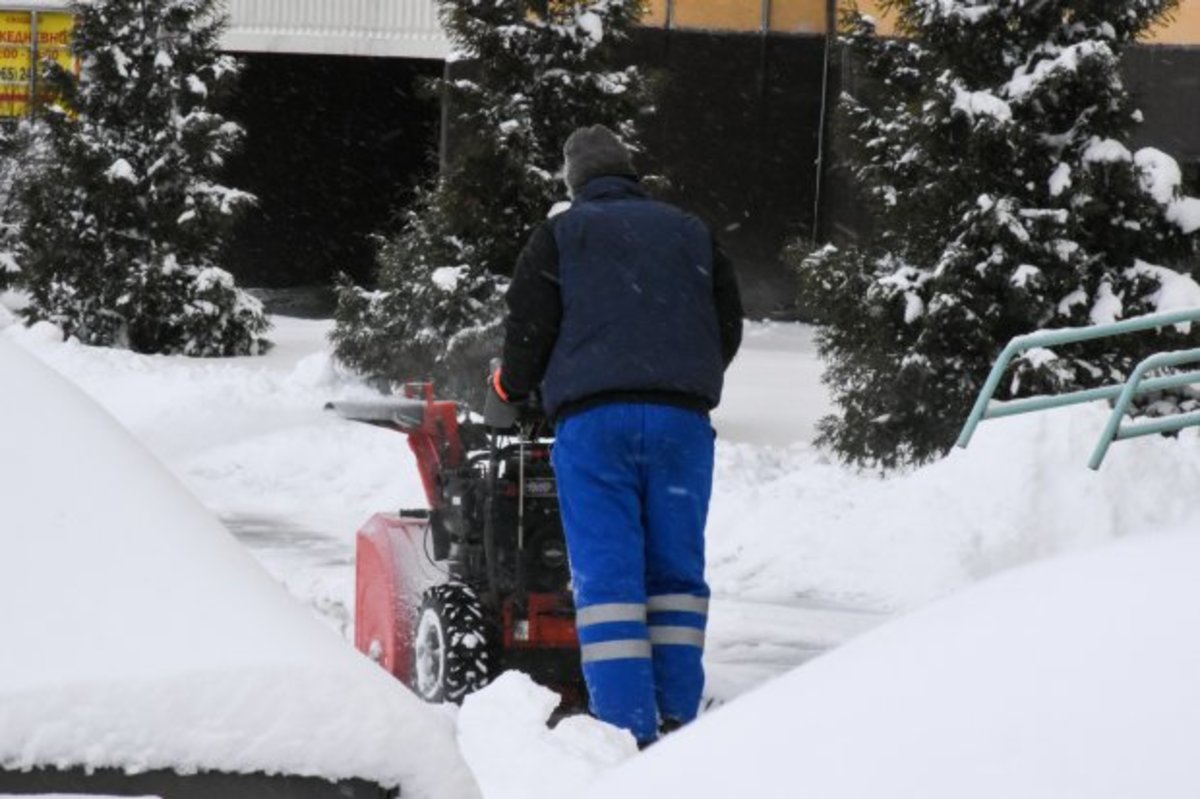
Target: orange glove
498,385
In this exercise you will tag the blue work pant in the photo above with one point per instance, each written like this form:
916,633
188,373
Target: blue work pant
634,482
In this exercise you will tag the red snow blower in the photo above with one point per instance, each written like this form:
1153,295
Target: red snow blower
449,596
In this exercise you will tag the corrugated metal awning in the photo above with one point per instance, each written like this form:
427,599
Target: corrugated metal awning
395,28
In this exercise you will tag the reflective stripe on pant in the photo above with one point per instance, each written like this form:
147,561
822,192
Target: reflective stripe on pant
634,483
677,623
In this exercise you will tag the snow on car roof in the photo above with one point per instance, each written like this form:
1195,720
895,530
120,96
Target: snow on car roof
138,634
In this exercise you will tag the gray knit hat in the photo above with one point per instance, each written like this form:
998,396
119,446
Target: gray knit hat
593,152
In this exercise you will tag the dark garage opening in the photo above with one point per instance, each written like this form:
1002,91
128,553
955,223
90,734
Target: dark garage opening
333,149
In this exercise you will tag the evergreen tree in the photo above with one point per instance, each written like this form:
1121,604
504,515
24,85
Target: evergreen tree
539,71
124,218
991,145
13,156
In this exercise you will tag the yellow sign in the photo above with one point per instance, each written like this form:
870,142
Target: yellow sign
19,47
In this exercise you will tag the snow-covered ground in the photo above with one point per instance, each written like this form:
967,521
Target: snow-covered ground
804,554
1073,678
250,438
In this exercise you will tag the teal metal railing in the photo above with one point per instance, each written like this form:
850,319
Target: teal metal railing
1124,394
1137,384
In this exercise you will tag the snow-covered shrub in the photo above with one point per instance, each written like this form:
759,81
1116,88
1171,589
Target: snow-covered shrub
537,71
992,147
123,216
16,152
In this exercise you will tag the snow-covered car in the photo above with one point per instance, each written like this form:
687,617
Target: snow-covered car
142,648
1070,678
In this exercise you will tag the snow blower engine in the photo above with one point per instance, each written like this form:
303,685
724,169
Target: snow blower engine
449,596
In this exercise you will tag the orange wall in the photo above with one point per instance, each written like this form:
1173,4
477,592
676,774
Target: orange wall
808,16
786,16
1184,28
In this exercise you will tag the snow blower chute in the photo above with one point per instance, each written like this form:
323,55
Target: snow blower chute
449,596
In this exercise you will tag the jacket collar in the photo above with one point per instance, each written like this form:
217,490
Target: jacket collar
611,187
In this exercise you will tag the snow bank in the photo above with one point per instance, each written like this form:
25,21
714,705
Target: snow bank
1070,678
787,524
249,438
504,738
138,634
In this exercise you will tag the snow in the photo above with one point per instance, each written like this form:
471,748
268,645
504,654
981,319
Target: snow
447,278
1176,292
1073,677
1026,81
1076,297
1185,213
592,26
981,104
773,394
1106,151
786,524
504,738
1108,307
197,86
1024,275
121,171
139,635
804,554
249,437
1159,174
1060,180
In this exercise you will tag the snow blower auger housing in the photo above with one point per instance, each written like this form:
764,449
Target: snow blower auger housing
449,596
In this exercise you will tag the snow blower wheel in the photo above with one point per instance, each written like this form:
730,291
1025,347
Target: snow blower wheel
452,651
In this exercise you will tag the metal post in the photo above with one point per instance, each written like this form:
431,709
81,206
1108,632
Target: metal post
34,58
985,395
830,40
444,133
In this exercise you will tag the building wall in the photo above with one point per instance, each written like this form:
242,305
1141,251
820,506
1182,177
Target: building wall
391,28
778,16
1183,28
737,131
748,76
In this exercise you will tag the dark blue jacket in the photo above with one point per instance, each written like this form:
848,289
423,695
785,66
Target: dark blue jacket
621,299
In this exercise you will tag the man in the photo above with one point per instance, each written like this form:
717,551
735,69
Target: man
625,313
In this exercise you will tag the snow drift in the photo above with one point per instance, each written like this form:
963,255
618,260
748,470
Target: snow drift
1074,677
787,524
137,634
